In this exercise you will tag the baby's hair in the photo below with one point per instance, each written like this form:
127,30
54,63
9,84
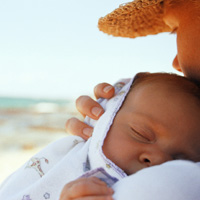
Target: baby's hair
179,83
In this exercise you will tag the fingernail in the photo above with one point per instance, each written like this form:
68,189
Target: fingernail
107,88
88,131
96,111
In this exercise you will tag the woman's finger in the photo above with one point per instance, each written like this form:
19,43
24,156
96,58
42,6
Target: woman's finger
104,90
87,106
76,127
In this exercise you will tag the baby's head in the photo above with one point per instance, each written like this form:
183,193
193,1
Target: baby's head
158,122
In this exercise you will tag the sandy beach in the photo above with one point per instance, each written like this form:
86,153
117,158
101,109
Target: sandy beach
24,131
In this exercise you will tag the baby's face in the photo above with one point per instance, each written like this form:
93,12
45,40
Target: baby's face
154,125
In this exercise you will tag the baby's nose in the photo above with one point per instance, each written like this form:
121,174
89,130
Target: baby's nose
154,158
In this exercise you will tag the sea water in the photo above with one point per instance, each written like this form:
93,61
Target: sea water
33,122
9,102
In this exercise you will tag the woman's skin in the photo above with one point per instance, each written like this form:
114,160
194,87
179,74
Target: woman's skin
184,19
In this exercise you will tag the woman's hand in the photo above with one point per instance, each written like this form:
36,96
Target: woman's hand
87,106
90,188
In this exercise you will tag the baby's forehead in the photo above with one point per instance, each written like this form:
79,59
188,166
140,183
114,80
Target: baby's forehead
167,82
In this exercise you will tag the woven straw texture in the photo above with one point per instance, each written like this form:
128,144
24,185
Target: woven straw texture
135,19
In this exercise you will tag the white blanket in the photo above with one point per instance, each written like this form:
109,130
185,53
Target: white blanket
173,180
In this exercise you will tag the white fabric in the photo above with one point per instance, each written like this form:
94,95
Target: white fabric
44,175
173,180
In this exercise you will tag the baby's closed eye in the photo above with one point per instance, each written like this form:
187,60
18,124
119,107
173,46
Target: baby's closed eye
140,136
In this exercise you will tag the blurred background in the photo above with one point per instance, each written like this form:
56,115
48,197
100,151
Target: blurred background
51,52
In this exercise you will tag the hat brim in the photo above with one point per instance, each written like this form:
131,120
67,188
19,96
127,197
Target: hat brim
135,19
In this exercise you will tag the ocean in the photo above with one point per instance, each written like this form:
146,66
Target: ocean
11,102
32,123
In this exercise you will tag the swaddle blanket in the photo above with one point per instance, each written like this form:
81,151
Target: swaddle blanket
46,173
173,180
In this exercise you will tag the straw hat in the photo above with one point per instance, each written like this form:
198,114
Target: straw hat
134,19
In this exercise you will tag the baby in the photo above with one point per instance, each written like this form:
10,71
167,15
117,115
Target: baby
157,122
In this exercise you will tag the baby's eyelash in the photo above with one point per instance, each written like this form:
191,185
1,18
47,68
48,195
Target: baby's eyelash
140,136
174,31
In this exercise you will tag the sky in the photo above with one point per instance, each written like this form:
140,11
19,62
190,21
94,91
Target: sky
53,49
